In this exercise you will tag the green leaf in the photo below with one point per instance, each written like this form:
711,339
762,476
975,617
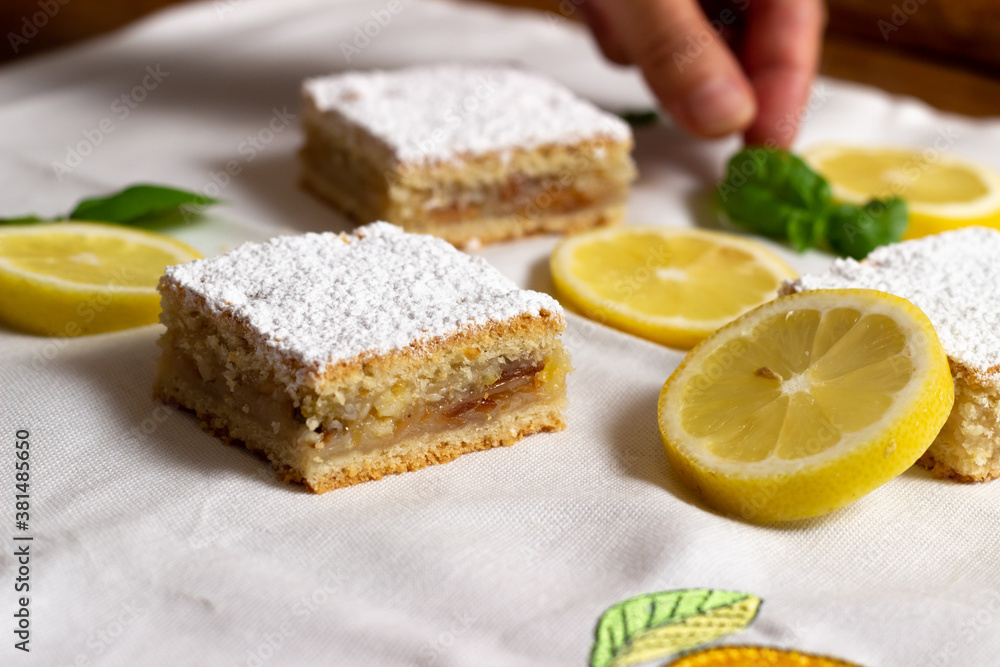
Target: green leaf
138,202
24,220
656,625
640,117
857,230
771,192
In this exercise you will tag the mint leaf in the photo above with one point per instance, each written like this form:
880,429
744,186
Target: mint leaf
136,203
857,230
640,117
24,220
771,192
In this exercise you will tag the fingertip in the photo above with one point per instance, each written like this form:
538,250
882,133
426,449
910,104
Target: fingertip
783,97
717,107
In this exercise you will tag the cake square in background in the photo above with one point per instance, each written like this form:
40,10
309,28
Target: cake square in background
467,153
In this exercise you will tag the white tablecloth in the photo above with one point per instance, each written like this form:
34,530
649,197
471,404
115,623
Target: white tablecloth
154,544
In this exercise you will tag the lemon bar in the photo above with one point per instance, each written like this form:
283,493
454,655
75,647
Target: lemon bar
469,154
343,358
954,277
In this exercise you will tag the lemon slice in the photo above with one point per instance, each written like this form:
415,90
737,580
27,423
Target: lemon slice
941,192
806,404
76,278
672,286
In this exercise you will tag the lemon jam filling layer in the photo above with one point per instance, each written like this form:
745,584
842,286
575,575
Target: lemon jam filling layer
375,419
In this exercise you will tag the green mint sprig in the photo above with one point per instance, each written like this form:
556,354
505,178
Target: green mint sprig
134,204
771,192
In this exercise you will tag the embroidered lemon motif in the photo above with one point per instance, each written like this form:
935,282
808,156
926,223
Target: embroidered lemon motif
659,624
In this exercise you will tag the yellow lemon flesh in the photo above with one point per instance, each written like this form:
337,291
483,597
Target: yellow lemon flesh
806,403
941,192
672,286
77,278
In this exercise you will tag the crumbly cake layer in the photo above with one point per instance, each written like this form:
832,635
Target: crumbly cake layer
968,447
529,157
481,387
954,277
257,344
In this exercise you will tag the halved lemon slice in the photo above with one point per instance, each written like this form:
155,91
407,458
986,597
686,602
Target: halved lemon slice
672,286
941,192
806,403
76,278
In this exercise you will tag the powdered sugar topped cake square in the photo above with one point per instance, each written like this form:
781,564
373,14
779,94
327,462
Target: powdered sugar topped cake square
344,358
470,154
953,277
444,112
324,298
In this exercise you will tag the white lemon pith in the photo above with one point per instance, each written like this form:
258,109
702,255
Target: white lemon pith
806,403
941,191
671,286
76,278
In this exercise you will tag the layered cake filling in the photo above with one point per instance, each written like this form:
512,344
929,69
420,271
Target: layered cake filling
380,411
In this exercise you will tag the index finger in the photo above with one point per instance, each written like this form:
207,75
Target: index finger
780,51
688,67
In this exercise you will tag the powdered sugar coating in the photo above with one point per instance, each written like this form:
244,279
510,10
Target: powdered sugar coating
440,113
325,298
953,277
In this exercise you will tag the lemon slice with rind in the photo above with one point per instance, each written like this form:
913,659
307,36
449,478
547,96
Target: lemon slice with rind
77,278
671,286
806,403
941,191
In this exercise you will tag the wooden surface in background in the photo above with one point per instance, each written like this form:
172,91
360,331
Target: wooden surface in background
945,52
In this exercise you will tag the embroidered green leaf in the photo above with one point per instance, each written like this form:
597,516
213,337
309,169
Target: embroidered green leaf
659,624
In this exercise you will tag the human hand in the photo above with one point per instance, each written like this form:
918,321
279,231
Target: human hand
758,85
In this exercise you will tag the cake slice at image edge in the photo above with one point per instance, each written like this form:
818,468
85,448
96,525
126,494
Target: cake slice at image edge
954,277
343,358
